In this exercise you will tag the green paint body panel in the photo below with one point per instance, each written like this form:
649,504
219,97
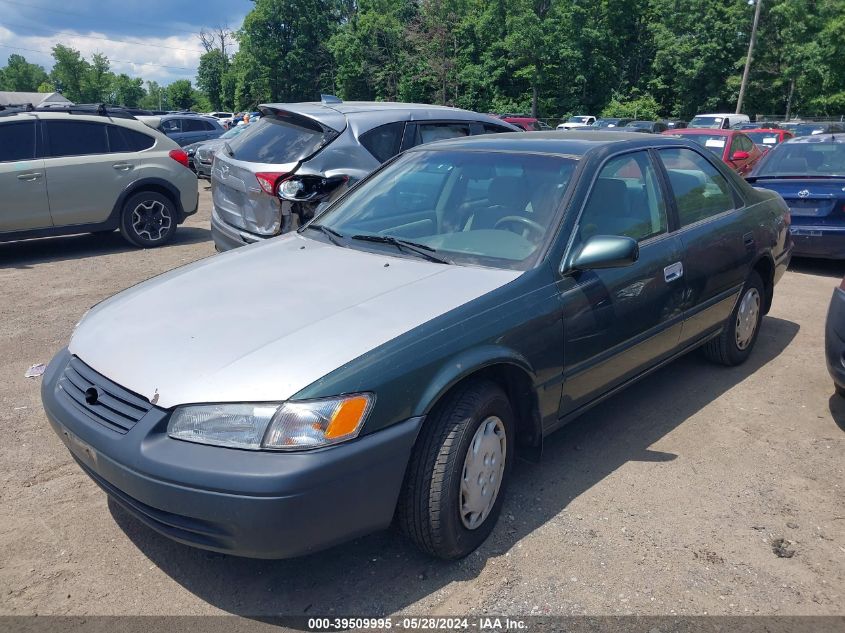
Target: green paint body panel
581,335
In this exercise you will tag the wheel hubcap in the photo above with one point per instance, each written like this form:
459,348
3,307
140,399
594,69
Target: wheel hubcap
747,317
484,466
151,220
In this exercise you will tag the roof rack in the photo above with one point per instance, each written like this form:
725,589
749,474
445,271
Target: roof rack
9,110
100,109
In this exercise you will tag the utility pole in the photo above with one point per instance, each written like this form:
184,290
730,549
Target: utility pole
747,70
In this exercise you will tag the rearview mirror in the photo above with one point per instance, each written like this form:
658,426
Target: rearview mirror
606,251
740,155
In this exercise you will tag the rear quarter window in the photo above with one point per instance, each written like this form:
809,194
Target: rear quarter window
384,142
122,140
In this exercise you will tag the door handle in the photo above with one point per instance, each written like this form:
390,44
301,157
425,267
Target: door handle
673,272
122,166
31,176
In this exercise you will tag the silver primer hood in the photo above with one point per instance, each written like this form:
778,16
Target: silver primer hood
262,322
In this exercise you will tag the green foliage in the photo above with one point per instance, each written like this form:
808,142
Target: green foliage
549,57
212,68
21,76
180,94
644,108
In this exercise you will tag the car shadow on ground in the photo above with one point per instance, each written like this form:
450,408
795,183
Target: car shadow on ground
382,573
26,253
837,409
823,267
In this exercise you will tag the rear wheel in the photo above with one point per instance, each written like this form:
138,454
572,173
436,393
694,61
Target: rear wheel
734,344
148,219
453,490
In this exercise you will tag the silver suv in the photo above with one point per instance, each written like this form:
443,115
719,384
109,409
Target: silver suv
299,155
91,169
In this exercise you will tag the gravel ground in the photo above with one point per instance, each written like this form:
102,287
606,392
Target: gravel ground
700,490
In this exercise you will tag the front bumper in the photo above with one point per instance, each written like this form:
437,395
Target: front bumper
258,504
834,338
818,241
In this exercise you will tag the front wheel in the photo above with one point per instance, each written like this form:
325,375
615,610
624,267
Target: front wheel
453,490
733,346
148,219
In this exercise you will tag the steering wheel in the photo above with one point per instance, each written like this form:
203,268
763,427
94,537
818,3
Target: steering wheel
530,225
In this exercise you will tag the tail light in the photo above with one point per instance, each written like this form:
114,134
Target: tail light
270,180
180,156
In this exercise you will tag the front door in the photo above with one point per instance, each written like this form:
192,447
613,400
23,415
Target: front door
717,245
23,203
618,322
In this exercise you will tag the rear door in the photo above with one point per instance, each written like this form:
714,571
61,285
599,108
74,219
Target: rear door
620,321
173,129
23,183
716,238
84,177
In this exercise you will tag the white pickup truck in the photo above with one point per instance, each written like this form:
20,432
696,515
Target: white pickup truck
577,121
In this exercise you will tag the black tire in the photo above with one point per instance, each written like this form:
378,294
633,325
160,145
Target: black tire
840,391
153,225
429,510
725,348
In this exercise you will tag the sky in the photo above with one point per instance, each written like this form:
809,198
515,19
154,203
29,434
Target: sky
152,39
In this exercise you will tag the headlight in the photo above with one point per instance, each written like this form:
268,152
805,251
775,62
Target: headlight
286,426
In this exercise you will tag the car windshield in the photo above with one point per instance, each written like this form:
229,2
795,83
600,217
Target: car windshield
578,119
640,124
606,123
714,122
805,159
235,131
764,138
808,129
464,207
714,142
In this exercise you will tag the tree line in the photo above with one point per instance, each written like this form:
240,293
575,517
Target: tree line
551,58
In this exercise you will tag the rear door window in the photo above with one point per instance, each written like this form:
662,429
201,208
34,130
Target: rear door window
17,141
699,189
384,141
138,141
195,125
430,132
76,138
274,140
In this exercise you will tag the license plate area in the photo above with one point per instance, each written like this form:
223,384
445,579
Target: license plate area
83,451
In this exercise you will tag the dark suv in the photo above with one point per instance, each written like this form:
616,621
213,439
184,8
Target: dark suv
187,128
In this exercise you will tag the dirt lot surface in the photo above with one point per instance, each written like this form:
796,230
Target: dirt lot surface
701,490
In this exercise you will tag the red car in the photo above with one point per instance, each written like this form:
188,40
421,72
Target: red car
766,139
735,148
527,123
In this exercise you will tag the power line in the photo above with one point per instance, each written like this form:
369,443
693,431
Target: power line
29,5
119,61
105,39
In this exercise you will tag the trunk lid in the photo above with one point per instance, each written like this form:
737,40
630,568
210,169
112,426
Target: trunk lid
810,200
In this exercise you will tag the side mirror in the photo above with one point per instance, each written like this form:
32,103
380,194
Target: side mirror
740,155
605,251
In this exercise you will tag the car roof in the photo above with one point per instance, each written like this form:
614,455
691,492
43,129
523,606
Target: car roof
704,130
352,107
568,143
770,130
722,114
836,137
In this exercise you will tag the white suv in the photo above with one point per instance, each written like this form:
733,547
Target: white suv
94,169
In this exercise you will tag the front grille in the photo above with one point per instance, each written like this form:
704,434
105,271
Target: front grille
115,408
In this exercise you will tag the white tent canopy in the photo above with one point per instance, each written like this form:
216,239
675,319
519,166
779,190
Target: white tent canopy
35,98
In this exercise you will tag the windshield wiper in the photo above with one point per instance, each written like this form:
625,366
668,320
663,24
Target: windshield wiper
228,149
414,247
334,237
